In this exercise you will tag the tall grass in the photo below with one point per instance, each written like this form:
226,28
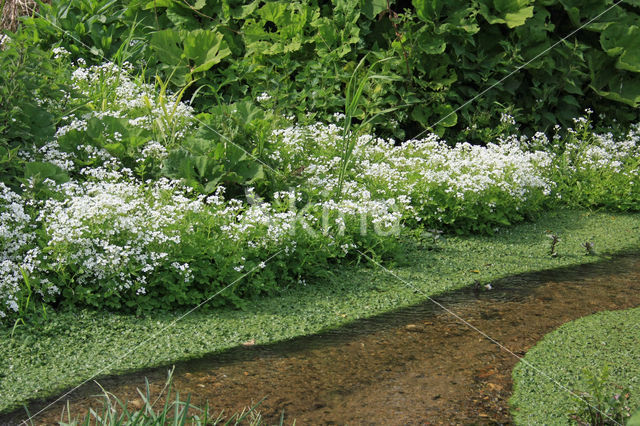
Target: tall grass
353,95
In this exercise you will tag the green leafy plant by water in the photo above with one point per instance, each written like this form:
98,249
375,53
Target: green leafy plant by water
591,356
175,411
601,403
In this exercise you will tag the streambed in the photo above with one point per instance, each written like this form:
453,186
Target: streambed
419,365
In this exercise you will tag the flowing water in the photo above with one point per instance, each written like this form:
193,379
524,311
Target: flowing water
415,366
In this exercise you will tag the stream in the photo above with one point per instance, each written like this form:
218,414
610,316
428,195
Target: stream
418,365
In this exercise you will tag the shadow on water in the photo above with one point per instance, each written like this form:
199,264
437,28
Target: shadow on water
418,365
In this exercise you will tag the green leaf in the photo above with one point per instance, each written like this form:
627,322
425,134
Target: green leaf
428,10
371,8
206,48
244,11
448,118
518,18
44,171
514,13
250,171
116,149
435,46
167,44
158,3
624,41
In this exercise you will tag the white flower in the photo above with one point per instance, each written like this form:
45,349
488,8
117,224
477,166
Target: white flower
60,52
263,97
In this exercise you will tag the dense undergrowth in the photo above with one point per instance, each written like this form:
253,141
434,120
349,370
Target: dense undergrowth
124,197
434,57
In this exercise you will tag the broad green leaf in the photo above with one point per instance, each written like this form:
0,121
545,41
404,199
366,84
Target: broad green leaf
431,45
513,13
205,48
628,92
630,59
250,171
623,41
158,3
248,112
44,171
371,8
615,38
428,10
621,86
116,149
167,44
182,19
235,154
202,165
518,18
241,12
447,116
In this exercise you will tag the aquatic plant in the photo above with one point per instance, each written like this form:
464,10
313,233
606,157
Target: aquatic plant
151,411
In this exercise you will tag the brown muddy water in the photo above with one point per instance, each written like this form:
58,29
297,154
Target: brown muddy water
414,366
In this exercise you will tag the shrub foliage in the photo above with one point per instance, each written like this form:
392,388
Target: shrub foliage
544,60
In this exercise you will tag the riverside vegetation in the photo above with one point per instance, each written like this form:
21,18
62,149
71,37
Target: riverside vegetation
158,155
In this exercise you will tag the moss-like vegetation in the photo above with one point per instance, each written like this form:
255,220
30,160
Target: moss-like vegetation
572,353
70,347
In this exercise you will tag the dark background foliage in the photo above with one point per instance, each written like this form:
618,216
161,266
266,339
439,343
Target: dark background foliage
442,56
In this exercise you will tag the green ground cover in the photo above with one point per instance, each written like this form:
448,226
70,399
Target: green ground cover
39,361
576,353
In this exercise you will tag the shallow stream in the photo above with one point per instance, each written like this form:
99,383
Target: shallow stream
419,365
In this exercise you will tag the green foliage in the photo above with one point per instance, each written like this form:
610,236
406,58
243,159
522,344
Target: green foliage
28,307
229,148
591,356
33,84
602,403
597,170
176,412
441,57
92,29
186,55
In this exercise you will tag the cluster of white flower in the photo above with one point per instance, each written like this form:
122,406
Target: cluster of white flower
415,170
110,228
603,153
263,97
17,248
507,119
118,230
116,95
60,53
121,232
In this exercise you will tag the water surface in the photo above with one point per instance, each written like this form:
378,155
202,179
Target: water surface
419,365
